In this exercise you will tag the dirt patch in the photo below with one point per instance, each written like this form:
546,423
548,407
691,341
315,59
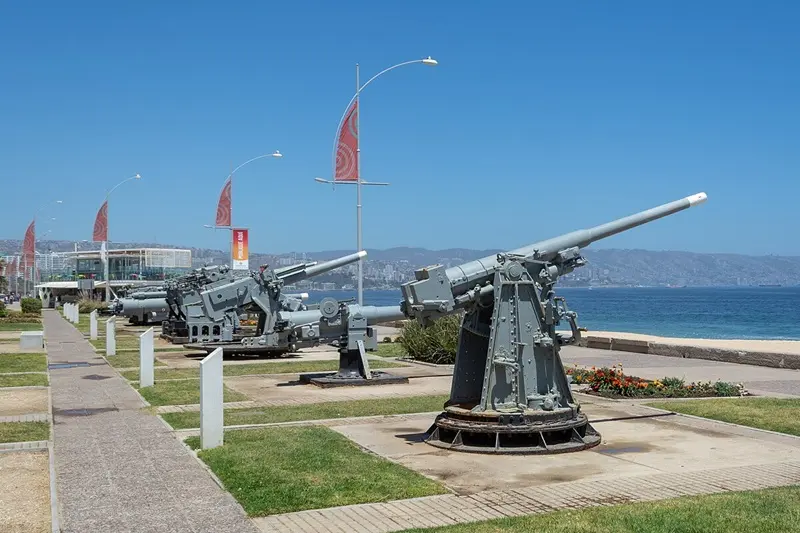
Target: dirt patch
23,402
25,498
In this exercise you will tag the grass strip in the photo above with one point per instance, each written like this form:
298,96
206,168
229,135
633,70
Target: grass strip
24,431
249,369
22,362
774,414
183,392
315,411
281,470
390,349
128,360
21,326
23,380
762,511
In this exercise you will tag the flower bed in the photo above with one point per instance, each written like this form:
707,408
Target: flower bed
613,383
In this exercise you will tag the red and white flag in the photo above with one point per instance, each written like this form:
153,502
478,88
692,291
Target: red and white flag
100,233
224,204
347,149
29,245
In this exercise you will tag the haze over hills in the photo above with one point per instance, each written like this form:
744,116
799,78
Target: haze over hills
390,267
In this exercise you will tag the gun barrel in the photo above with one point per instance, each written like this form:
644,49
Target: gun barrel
464,277
321,268
374,315
147,295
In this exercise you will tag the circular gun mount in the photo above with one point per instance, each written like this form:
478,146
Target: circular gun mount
458,428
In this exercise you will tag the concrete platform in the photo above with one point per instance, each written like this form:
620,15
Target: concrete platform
266,388
629,448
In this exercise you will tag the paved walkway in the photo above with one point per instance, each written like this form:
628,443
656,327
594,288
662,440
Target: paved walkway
450,509
118,468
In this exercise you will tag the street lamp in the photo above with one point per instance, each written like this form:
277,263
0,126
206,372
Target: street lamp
33,266
358,181
104,249
225,203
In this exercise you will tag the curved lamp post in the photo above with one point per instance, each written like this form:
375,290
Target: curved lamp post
276,155
359,182
33,266
105,242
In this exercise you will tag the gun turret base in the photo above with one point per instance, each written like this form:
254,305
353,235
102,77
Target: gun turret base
336,380
528,433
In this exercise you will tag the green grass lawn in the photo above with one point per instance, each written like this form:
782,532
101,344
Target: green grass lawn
389,349
774,414
280,470
21,326
24,431
287,367
22,362
127,360
183,392
316,411
23,380
763,511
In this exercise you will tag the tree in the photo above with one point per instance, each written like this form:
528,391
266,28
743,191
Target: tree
3,278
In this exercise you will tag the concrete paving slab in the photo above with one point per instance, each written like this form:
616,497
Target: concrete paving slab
630,447
25,498
23,401
774,346
288,388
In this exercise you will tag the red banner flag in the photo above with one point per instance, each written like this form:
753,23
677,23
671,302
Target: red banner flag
29,245
224,205
347,150
100,233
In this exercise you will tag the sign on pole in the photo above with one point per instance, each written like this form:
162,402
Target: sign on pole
111,340
93,325
146,359
211,399
239,250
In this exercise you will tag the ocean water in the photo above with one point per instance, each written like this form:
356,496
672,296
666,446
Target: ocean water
711,313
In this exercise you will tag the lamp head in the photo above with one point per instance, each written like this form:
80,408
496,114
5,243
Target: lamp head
277,154
430,61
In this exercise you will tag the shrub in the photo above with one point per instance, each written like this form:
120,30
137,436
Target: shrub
387,340
436,343
87,306
31,305
3,311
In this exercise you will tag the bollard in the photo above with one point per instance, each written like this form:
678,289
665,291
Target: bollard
211,399
146,359
77,314
111,338
93,325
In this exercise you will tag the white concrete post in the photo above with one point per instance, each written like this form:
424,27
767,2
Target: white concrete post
111,338
77,314
71,313
146,359
211,400
93,325
66,312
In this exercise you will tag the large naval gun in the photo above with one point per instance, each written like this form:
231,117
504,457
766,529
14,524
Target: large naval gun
510,393
262,292
143,306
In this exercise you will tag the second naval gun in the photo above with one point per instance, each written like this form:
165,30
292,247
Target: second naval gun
261,292
142,306
510,393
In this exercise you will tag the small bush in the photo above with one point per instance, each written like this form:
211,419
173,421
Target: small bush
87,306
436,343
3,311
387,340
31,305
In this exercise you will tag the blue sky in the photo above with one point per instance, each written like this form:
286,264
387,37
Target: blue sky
541,118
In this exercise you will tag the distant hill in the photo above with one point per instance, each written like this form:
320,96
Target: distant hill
606,266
